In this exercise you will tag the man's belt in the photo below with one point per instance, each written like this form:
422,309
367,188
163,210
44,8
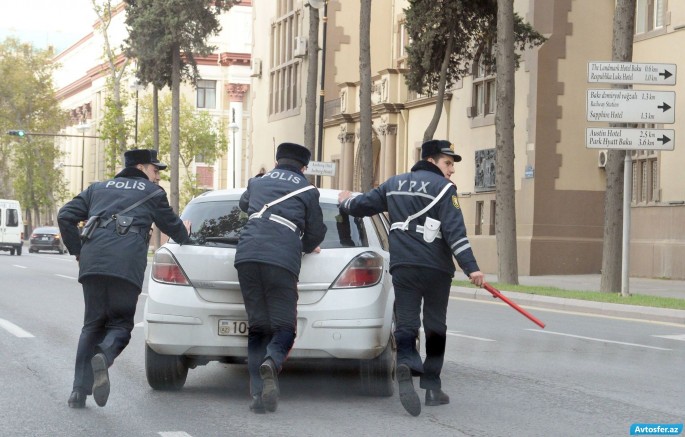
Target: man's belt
276,218
419,228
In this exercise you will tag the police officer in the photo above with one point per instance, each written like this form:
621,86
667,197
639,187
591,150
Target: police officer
427,231
285,219
112,263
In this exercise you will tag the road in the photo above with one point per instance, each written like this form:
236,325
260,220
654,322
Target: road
583,375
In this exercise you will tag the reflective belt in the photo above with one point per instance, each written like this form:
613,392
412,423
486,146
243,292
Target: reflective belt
419,229
276,218
403,226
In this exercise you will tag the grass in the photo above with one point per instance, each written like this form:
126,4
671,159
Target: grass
595,296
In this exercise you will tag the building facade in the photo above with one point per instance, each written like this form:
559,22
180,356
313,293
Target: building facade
560,183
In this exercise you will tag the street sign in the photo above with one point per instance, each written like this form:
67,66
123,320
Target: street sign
629,139
630,106
320,168
631,73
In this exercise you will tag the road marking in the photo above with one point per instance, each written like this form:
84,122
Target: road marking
65,276
21,267
680,337
14,329
601,340
457,334
174,434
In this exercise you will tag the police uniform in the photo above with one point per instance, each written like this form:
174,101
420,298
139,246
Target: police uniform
268,259
421,270
112,265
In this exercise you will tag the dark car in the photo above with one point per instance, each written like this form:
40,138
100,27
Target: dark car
46,238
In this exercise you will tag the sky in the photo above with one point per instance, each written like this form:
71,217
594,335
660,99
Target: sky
59,23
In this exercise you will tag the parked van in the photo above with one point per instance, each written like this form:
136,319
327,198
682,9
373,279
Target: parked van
11,227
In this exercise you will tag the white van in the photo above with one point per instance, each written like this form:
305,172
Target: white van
11,227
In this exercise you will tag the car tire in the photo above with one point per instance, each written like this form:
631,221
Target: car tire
165,372
18,250
12,252
378,374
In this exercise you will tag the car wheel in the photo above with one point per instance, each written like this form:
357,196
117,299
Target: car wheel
165,372
378,375
19,250
11,251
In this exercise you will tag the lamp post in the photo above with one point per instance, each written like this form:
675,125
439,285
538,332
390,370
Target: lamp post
233,126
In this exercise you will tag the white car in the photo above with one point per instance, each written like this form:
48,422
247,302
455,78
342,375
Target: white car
194,313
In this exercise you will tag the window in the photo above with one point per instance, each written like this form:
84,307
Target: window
284,76
645,177
480,206
649,15
206,94
483,90
493,214
12,218
402,43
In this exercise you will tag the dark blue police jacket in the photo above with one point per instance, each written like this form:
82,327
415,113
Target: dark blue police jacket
406,194
108,253
286,229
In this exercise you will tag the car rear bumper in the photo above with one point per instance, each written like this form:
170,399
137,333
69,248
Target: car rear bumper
190,326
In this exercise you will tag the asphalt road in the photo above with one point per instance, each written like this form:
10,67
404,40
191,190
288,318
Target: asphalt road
584,374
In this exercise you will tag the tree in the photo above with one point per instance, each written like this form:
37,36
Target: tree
505,214
622,51
27,102
172,30
365,128
447,36
201,136
114,128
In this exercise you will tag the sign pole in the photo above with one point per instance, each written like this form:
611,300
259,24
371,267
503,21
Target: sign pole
627,197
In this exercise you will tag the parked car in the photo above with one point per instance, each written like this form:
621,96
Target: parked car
46,238
194,312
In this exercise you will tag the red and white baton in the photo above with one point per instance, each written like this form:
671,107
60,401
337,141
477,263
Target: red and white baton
496,294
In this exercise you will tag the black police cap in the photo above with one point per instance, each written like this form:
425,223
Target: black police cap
142,156
294,151
433,147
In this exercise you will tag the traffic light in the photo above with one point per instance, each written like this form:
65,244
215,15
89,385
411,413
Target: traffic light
17,133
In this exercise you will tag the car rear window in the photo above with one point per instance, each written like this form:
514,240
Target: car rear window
220,224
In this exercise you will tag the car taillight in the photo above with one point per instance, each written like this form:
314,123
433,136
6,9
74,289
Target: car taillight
166,269
365,270
34,236
57,237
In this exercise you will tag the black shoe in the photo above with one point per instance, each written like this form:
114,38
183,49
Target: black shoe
269,376
77,399
100,379
257,406
436,397
410,400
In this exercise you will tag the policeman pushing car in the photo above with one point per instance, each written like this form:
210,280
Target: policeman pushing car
112,258
285,220
427,231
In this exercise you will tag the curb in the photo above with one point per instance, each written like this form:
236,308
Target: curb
584,306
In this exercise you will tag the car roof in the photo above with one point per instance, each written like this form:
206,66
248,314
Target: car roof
326,195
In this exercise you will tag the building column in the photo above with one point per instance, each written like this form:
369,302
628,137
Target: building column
388,137
236,93
346,158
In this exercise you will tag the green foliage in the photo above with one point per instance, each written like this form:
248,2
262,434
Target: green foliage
114,132
28,102
472,26
201,135
158,27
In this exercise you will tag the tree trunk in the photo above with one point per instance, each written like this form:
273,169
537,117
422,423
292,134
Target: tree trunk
174,148
433,125
622,51
312,73
505,208
156,233
365,134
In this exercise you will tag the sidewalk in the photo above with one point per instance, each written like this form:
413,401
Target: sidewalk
644,286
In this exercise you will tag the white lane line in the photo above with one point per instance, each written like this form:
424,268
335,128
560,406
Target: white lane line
457,334
601,340
680,337
14,329
18,266
65,276
174,434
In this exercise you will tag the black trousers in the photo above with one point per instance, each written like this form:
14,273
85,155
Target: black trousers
110,304
270,295
413,284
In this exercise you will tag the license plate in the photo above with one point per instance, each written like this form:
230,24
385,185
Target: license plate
45,238
232,327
